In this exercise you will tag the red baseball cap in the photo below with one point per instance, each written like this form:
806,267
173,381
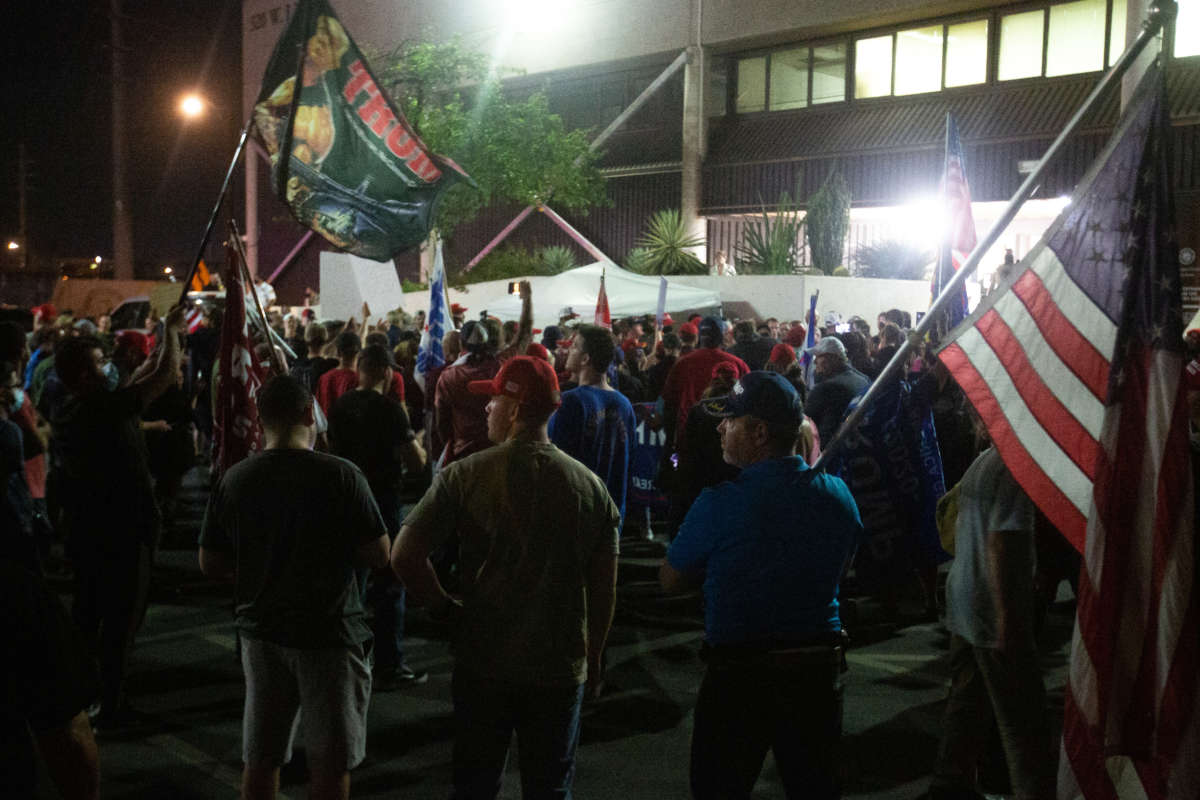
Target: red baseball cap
667,320
782,354
45,311
134,340
537,350
455,308
689,329
528,380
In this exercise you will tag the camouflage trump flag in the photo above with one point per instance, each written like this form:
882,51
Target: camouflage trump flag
343,157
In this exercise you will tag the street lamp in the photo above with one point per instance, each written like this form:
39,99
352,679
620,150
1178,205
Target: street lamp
192,105
12,245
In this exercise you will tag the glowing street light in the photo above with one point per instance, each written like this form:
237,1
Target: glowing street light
192,106
167,270
12,245
97,260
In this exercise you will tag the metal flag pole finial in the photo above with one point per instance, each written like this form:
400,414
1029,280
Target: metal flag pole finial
1160,14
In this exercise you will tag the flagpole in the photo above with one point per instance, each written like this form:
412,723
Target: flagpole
212,218
944,245
276,362
1160,14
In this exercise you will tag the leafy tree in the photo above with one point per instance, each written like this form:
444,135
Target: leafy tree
771,245
665,247
828,220
516,150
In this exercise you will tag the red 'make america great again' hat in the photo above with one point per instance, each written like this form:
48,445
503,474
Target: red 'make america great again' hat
530,381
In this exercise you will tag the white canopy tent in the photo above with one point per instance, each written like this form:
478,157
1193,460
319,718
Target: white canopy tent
628,294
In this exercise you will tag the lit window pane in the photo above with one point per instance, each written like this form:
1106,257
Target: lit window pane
1187,29
1076,42
789,79
1116,40
752,85
1021,45
919,60
873,67
829,73
966,53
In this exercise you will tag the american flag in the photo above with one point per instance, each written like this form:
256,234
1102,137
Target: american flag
959,240
1076,366
602,317
237,432
429,351
193,318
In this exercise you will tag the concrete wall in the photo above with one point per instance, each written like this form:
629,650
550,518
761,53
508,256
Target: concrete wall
786,296
759,296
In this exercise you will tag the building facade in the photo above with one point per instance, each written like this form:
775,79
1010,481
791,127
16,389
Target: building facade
776,95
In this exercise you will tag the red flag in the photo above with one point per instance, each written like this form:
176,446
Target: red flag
602,317
236,429
1076,366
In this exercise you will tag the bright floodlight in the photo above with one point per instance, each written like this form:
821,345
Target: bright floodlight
167,270
533,16
192,105
98,259
14,246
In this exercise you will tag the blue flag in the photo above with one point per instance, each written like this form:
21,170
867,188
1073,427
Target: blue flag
429,353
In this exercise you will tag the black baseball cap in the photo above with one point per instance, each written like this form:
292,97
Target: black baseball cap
766,395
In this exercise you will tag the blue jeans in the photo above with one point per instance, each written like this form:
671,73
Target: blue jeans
486,712
383,593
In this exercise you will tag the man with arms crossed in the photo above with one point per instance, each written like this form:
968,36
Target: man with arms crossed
538,534
289,526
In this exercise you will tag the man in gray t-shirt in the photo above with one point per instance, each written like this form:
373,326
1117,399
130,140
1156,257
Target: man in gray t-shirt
993,655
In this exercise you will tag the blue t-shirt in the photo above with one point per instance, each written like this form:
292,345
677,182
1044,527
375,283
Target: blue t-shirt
596,427
772,545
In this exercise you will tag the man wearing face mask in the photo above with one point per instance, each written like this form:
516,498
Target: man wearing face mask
538,534
107,497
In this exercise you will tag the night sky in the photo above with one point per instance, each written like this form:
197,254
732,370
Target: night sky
57,86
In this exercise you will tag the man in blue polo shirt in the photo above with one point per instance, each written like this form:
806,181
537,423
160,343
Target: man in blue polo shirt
770,548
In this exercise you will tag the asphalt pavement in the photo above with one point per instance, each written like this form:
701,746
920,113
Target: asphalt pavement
186,683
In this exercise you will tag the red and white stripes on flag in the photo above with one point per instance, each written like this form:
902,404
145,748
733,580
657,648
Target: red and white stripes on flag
602,316
1076,367
193,317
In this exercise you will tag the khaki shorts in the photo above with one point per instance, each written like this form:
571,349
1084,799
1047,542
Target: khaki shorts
326,691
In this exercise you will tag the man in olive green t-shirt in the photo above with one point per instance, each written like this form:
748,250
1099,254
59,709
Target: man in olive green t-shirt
538,537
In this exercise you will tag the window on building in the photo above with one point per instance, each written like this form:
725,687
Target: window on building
1187,29
873,67
829,73
966,53
1021,45
789,79
1116,35
751,84
1076,40
717,97
919,60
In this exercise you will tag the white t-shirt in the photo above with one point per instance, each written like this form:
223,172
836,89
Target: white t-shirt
990,504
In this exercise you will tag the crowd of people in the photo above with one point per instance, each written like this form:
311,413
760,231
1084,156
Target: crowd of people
493,491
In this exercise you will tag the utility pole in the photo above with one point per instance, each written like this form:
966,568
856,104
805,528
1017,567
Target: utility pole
122,221
22,189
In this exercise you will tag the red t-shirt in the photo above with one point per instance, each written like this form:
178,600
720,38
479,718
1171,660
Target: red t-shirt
336,382
690,376
461,415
